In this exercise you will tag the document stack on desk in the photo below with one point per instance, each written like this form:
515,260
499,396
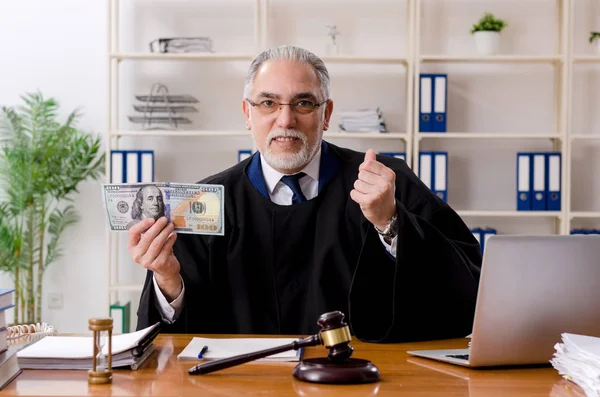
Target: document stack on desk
228,347
75,352
577,359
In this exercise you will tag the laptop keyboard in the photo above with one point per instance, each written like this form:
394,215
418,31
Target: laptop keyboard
461,356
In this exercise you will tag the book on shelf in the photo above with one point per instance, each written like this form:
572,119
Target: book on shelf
181,44
75,352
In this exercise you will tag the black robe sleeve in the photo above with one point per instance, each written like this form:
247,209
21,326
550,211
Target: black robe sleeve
431,289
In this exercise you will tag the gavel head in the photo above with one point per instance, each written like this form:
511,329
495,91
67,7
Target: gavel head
335,335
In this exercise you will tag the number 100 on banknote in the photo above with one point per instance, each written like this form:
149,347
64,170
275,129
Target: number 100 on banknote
192,208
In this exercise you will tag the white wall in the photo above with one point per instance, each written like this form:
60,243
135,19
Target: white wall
59,47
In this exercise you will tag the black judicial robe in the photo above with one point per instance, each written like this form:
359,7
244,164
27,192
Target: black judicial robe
278,268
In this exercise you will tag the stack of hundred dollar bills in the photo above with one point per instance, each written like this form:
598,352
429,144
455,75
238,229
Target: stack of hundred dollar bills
192,208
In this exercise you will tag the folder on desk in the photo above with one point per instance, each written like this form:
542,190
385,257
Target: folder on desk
538,200
426,103
219,348
524,181
398,155
440,99
75,352
243,155
553,177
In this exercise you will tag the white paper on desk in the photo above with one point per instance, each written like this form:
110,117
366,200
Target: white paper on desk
578,360
228,347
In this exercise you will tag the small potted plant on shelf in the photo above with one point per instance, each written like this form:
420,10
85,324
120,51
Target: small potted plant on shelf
595,39
487,33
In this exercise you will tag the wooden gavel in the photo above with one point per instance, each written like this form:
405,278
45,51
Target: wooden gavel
334,335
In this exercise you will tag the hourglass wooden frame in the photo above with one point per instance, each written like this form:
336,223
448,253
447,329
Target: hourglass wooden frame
101,375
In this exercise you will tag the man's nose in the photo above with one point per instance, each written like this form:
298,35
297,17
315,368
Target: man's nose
286,118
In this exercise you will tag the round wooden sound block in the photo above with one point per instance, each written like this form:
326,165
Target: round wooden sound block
323,370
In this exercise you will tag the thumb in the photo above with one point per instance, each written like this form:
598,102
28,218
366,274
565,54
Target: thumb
370,155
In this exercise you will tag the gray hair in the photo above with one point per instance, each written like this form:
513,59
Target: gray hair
289,53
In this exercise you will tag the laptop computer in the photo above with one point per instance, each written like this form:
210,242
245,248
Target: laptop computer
532,289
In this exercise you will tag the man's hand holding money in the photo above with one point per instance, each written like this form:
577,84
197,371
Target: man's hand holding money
150,244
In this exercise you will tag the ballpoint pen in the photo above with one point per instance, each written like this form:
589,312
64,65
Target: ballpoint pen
203,351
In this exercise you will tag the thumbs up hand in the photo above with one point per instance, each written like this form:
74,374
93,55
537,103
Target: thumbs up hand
374,191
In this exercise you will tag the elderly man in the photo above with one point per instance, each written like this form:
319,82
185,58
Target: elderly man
310,228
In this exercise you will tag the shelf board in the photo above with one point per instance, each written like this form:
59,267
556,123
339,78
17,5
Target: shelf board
189,56
233,133
222,133
492,58
511,214
584,214
586,58
484,135
585,136
366,135
365,59
126,287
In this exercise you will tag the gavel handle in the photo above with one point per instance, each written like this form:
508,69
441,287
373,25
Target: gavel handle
217,365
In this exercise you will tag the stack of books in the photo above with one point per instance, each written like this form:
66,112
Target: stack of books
577,359
9,365
362,120
181,44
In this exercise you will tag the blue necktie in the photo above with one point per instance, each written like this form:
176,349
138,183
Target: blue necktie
292,182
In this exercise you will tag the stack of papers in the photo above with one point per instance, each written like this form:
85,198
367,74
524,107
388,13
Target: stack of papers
577,359
75,352
225,347
362,120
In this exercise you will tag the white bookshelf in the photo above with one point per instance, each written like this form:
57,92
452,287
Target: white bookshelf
116,58
559,61
560,137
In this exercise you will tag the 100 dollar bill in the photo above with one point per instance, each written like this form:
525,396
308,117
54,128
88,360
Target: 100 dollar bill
193,208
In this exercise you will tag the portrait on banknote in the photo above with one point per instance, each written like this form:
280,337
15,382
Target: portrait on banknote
149,203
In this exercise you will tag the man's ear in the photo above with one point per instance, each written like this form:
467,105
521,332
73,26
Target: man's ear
327,115
246,110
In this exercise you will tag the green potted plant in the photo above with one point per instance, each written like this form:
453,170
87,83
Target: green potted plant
42,161
595,39
487,33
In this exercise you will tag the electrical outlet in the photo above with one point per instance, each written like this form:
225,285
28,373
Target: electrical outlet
55,300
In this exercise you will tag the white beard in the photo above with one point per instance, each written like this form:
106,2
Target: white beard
288,161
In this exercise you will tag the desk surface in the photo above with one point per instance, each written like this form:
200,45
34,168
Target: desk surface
402,375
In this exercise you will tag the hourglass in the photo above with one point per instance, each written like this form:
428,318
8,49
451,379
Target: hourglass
101,371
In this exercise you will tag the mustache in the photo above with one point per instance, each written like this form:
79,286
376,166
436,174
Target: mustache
286,134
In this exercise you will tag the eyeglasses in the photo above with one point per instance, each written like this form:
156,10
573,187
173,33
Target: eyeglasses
302,106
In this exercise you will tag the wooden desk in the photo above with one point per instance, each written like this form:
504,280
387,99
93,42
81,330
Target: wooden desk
402,375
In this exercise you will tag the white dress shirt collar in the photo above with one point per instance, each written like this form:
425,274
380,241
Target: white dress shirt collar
272,176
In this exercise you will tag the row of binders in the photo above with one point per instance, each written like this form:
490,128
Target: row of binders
433,95
538,181
585,231
131,166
